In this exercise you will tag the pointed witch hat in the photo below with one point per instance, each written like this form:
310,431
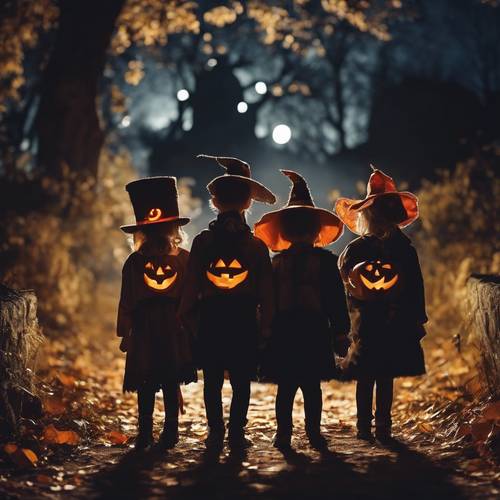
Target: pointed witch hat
237,169
402,204
268,229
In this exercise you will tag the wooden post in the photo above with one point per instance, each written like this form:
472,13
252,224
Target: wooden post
20,339
484,303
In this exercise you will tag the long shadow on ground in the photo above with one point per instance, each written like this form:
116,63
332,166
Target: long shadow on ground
375,473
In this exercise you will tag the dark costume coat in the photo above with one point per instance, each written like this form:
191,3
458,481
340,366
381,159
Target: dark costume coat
311,311
386,333
158,350
225,320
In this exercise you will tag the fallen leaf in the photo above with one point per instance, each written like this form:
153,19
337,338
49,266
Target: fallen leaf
43,479
492,411
24,458
425,427
54,436
66,380
10,448
481,430
54,406
116,437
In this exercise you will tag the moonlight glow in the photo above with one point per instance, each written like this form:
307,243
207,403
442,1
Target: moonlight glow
282,134
260,88
242,107
183,95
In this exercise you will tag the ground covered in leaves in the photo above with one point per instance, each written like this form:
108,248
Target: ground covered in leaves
82,447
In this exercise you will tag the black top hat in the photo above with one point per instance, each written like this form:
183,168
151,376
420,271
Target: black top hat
238,169
155,202
268,229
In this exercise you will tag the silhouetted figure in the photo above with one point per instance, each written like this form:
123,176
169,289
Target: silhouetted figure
386,298
158,352
311,310
228,284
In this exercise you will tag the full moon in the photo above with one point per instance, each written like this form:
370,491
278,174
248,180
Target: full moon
282,134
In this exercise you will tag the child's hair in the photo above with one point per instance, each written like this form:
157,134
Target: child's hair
233,194
158,239
300,225
382,217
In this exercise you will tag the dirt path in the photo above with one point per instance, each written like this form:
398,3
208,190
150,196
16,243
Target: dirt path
351,469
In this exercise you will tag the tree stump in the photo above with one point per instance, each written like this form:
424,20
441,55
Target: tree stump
20,339
484,303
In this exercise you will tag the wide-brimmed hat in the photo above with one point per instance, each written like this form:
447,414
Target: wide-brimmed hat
237,169
268,229
154,200
403,205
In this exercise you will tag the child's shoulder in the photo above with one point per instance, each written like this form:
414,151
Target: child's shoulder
133,259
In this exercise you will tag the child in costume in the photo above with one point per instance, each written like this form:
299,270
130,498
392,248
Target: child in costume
158,352
386,299
311,311
229,288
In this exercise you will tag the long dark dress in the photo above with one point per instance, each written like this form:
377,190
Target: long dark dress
386,334
311,312
159,351
228,298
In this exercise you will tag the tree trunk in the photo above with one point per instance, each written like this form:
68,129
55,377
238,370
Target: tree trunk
67,124
19,342
484,302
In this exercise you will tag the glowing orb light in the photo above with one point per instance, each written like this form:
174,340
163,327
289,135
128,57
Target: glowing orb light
183,95
260,88
242,107
282,134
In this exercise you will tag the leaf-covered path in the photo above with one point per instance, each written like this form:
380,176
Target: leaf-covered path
425,464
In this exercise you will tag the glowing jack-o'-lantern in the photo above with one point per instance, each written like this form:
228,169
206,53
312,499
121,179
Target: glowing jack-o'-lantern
226,276
159,277
371,280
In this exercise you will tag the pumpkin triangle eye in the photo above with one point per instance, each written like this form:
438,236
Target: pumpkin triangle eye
168,268
149,265
235,264
220,263
369,267
159,271
387,266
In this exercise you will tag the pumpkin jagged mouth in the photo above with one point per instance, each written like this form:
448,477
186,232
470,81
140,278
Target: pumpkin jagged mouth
380,284
225,280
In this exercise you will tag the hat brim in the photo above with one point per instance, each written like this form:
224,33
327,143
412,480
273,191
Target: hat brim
133,228
348,209
258,191
268,229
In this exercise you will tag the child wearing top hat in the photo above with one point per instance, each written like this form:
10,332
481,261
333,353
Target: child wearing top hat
311,312
158,351
386,299
229,288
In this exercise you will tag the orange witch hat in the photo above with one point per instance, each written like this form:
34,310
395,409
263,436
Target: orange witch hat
379,185
268,229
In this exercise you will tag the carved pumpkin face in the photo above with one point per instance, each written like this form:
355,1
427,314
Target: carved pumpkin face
373,279
226,275
159,277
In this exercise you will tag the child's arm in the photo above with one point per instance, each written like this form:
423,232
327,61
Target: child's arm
417,292
125,307
191,287
265,290
337,305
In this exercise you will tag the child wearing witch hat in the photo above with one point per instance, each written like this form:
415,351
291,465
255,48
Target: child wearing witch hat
229,288
158,351
311,312
386,298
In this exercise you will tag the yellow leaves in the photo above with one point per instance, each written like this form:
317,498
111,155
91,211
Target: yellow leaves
425,427
51,435
22,457
134,73
220,16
